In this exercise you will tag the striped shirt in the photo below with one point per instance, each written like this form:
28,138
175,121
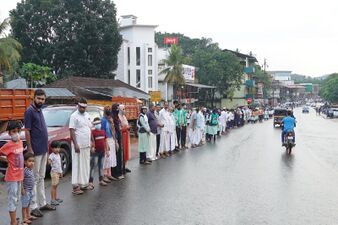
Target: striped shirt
28,180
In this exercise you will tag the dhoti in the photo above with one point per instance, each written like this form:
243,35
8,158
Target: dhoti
151,154
80,166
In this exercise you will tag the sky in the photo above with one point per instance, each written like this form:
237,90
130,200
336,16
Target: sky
296,35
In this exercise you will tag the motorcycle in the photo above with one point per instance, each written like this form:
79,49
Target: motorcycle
289,141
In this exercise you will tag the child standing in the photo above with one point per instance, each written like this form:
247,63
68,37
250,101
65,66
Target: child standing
54,160
98,153
27,189
14,174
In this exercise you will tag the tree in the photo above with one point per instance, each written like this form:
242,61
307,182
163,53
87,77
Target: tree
174,70
329,89
9,50
263,77
36,74
217,68
73,37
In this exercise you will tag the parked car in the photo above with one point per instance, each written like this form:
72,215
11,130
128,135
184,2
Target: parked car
305,109
57,121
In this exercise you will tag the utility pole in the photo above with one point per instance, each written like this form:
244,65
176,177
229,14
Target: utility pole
265,65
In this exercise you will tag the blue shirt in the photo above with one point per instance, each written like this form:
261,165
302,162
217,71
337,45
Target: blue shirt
35,122
28,181
289,123
105,125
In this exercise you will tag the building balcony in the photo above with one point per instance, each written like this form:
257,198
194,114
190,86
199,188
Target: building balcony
250,83
249,70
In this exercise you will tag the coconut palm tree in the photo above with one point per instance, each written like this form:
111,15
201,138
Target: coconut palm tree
9,49
174,69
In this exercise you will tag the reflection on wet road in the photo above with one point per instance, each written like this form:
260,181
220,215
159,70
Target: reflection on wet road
245,178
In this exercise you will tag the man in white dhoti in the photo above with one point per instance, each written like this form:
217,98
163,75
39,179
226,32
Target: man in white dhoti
164,118
222,119
172,137
80,132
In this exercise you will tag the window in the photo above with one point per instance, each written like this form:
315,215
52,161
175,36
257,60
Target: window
150,82
138,78
128,56
150,72
150,50
150,60
129,77
138,56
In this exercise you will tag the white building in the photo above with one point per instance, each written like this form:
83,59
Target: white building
137,58
282,76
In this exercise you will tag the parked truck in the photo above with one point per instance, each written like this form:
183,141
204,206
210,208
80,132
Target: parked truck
13,104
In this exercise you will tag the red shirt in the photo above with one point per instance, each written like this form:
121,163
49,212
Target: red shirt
14,153
100,140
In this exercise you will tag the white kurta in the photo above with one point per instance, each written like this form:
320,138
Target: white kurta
172,138
164,118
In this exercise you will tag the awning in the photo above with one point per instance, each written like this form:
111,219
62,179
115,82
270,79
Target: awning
117,91
200,86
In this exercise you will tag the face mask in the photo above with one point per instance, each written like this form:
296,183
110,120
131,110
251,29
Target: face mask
15,137
98,126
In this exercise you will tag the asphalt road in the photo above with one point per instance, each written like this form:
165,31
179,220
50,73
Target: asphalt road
244,178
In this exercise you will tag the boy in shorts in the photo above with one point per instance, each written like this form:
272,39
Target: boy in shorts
14,174
54,160
27,189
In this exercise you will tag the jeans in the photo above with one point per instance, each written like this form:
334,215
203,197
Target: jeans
39,169
27,198
13,195
183,135
96,160
178,134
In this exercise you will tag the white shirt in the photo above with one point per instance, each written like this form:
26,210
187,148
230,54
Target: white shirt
56,163
164,119
82,125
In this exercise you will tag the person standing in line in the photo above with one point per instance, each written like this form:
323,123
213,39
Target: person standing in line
153,124
107,125
27,188
172,136
164,120
117,171
193,124
201,124
15,171
125,137
37,143
98,153
177,113
160,125
54,160
143,136
80,133
184,126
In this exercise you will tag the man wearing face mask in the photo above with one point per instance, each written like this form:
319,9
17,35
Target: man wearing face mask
37,143
80,133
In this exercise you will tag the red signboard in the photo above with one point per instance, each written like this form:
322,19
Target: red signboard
170,40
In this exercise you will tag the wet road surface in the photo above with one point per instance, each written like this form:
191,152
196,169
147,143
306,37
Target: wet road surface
244,178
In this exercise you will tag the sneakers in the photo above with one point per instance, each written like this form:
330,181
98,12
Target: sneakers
54,203
36,213
59,200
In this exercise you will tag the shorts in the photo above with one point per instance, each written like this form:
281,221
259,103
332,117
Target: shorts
13,195
26,199
55,178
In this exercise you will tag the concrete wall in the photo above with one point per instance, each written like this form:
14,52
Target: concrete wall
228,103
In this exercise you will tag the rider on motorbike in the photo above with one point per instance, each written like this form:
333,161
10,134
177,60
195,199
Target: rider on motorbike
289,124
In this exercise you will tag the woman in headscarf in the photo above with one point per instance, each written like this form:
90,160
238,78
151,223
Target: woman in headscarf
118,170
143,136
125,137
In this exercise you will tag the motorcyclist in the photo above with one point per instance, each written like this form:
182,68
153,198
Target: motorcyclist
289,123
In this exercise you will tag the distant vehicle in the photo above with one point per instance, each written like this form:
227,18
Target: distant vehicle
279,114
332,112
305,109
57,120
